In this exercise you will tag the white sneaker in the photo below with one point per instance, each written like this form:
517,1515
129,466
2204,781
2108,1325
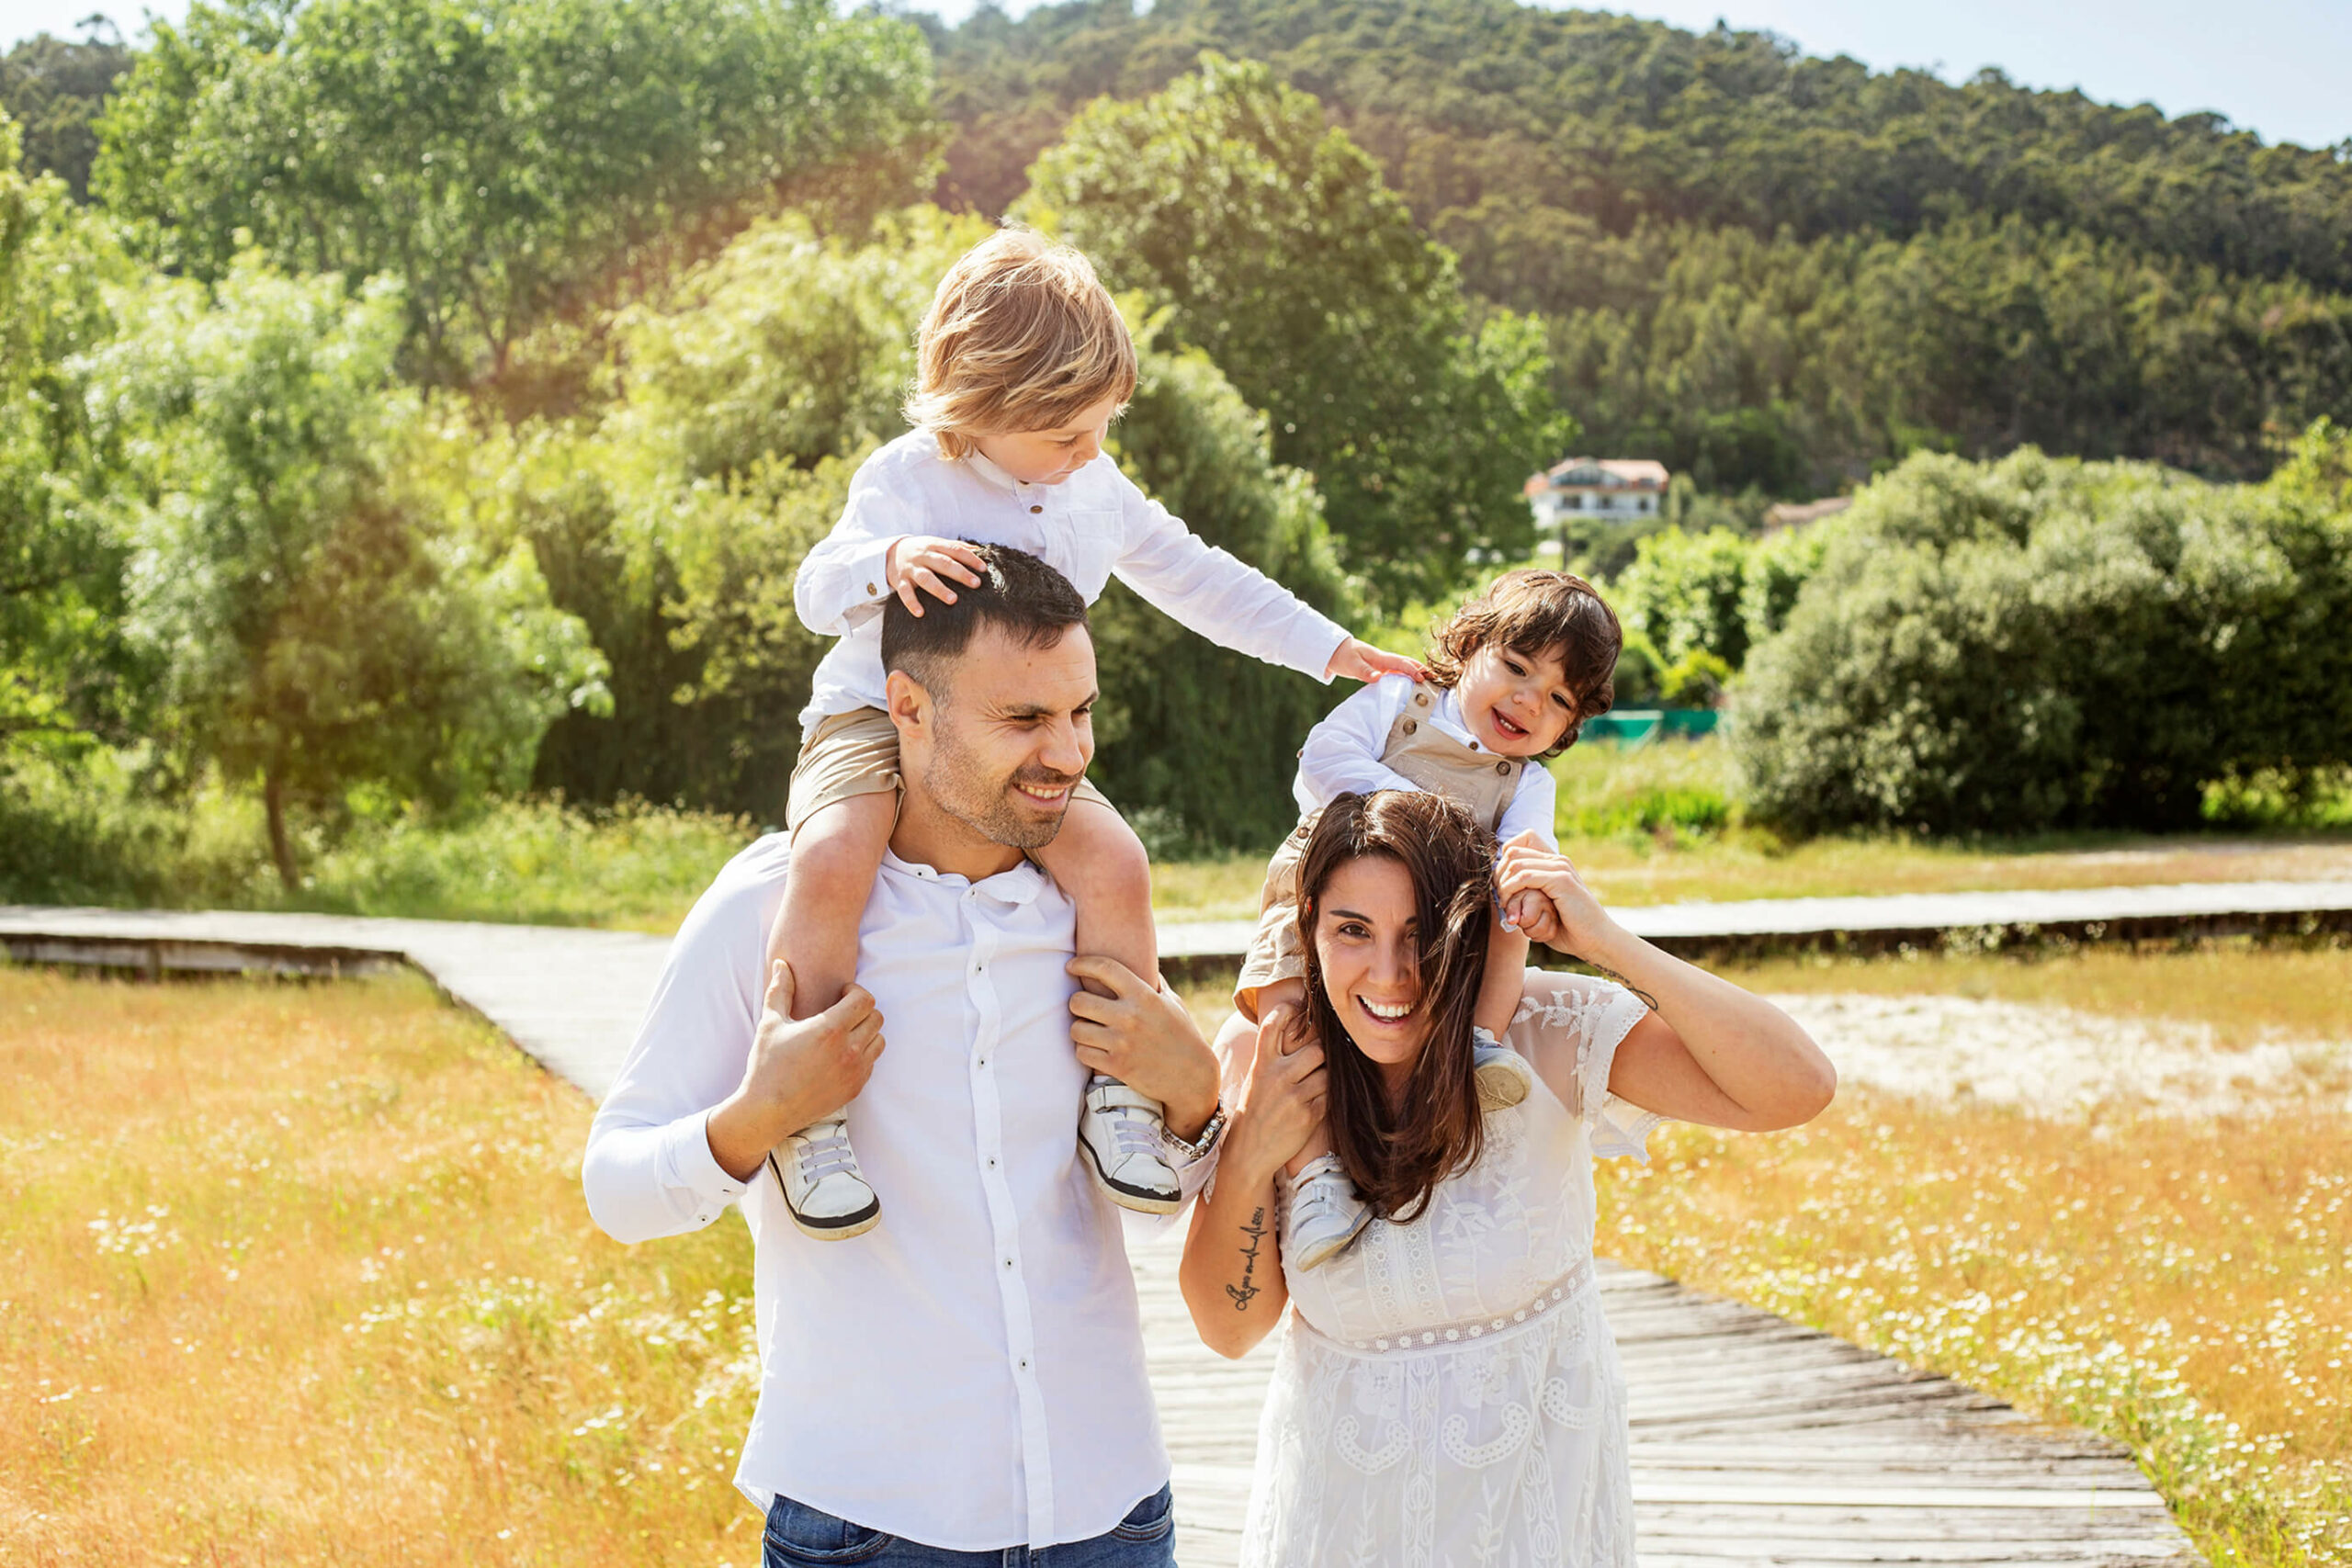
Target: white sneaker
822,1186
1504,1078
1119,1132
1324,1213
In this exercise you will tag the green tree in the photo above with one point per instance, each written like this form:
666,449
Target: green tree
511,160
2039,643
66,675
1685,593
53,89
1286,259
1203,739
318,625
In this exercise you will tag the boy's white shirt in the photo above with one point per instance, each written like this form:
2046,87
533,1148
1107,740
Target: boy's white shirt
1091,526
1343,756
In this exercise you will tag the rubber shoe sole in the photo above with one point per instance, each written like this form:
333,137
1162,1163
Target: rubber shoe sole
1499,1089
843,1229
1317,1257
1127,1197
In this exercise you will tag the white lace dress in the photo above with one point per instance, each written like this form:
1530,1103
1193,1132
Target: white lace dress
1446,1392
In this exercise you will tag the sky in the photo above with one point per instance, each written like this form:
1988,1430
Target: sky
2277,67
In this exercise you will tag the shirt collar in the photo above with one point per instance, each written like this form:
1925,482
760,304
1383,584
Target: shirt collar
978,462
1011,888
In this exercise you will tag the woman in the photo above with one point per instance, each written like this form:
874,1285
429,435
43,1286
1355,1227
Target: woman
1447,1391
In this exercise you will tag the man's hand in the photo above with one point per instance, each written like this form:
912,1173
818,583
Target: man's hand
1145,1039
800,1071
1359,661
918,564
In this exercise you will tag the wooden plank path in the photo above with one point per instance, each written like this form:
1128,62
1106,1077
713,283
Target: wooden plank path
1921,920
1755,1440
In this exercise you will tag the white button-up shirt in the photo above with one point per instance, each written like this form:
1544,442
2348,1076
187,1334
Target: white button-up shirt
1343,756
969,1374
1089,526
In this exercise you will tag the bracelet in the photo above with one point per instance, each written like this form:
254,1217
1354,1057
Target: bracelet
1199,1147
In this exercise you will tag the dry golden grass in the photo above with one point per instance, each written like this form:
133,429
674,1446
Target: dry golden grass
1753,866
2241,990
301,1274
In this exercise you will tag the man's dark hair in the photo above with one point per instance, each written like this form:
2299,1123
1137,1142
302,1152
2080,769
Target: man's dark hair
1028,600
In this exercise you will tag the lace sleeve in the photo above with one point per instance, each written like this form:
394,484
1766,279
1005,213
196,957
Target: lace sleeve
1579,1022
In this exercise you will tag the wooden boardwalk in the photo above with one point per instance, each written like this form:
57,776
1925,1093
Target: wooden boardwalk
1753,1440
1921,920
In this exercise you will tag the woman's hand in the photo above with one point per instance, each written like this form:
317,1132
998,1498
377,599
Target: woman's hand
1359,661
1547,899
919,563
1282,1102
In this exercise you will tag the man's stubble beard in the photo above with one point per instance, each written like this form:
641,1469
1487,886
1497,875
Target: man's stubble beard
952,778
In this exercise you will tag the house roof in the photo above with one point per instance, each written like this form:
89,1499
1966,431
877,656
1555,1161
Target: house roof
1790,515
1614,473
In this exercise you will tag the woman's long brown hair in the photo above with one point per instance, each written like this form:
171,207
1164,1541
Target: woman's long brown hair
1397,1151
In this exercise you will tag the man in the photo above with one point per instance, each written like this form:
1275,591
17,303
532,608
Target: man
964,1384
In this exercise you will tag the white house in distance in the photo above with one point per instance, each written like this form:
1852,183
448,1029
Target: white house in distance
1617,489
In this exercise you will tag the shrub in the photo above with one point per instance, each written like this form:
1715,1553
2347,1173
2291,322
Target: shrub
2036,643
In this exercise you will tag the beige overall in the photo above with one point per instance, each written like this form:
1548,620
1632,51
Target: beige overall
1423,753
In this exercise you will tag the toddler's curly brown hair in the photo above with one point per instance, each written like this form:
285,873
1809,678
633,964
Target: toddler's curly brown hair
1534,612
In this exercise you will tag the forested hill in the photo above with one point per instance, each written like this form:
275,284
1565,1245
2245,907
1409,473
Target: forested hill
1617,119
1767,267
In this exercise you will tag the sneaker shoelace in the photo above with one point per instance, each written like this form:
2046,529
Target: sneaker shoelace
824,1155
1132,1132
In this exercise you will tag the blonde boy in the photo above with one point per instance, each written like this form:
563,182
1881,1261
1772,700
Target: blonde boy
1022,363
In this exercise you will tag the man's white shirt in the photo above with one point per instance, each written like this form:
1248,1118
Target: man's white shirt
969,1374
1088,526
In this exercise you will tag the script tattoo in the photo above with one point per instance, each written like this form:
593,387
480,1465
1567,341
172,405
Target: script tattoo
1245,1292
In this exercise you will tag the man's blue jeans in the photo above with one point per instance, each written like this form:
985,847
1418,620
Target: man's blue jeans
802,1537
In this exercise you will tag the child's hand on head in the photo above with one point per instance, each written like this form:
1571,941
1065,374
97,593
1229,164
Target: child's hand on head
921,562
1359,661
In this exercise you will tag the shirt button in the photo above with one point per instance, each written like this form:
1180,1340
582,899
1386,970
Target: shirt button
871,589
1036,509
1503,768
1008,1263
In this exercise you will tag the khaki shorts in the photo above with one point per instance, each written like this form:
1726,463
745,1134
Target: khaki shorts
856,754
1276,950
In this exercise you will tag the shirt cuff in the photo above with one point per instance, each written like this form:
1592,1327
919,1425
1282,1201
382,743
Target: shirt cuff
1313,643
687,1165
869,578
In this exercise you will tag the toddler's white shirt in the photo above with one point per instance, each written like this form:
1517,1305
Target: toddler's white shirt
1343,756
1090,526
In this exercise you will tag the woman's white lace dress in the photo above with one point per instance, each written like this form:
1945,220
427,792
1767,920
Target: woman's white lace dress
1446,1392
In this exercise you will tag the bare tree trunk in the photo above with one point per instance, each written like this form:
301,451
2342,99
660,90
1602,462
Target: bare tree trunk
281,849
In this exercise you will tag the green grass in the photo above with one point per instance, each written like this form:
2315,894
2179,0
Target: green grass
1648,824
94,838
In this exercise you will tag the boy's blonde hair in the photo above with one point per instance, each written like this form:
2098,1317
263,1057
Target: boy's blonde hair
1021,335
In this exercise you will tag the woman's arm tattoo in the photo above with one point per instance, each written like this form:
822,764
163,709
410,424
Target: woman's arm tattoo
1245,1292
